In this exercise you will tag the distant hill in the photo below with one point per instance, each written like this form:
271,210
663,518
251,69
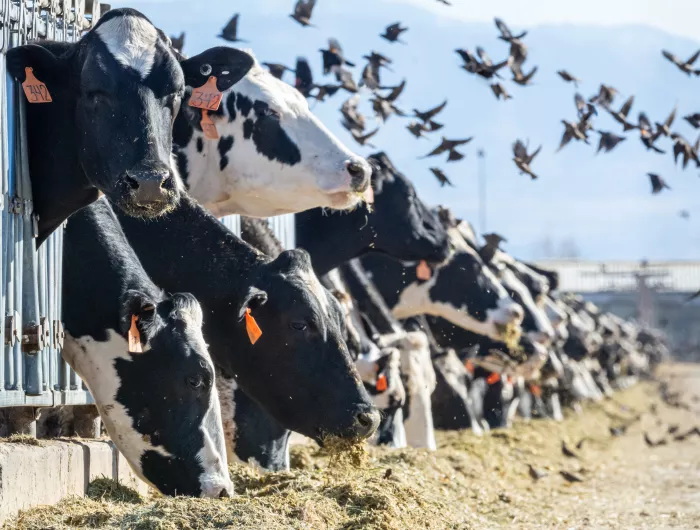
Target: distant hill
600,205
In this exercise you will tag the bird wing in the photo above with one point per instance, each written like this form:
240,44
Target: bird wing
672,117
566,137
529,76
531,157
231,28
444,146
454,156
580,103
303,73
393,28
519,150
466,55
309,7
485,59
644,122
435,111
625,110
692,59
396,92
366,136
455,143
503,28
672,58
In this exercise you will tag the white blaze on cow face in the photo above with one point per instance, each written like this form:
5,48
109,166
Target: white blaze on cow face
277,157
132,42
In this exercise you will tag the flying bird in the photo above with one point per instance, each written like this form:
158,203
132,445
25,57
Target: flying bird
506,33
371,72
393,32
455,156
178,42
621,115
665,127
681,147
693,120
304,82
518,54
605,96
383,108
566,451
302,12
494,240
471,63
487,69
445,2
566,76
572,131
657,183
535,474
362,138
500,92
353,120
648,136
344,77
333,58
417,129
523,79
523,160
585,109
608,141
685,214
447,145
326,90
428,115
441,177
230,31
683,66
277,69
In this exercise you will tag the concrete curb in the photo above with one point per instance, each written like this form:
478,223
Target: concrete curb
32,475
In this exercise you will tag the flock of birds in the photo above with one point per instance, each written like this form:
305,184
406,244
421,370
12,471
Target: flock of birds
384,98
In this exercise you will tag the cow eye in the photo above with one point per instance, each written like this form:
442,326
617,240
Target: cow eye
298,325
195,381
272,113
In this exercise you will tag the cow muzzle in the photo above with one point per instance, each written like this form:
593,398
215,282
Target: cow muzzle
150,192
359,172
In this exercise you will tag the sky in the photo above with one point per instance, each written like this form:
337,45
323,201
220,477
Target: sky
601,204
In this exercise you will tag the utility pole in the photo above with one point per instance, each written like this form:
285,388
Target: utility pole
481,154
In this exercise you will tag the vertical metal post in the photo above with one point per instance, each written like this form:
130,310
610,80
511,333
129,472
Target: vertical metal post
482,190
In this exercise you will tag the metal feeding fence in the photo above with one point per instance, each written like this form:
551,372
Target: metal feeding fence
32,371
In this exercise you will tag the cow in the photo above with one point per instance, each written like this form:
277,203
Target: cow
398,224
269,155
144,359
108,129
299,368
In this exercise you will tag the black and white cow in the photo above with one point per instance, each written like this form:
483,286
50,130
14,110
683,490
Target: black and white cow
299,370
398,224
143,356
272,155
115,95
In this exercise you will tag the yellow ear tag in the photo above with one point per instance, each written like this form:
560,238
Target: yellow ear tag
35,90
134,336
251,326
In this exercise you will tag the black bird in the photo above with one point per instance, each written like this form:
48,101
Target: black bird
523,79
506,34
585,109
683,66
333,58
230,31
304,82
500,92
393,32
608,141
445,2
685,214
651,443
345,79
535,474
487,69
566,76
353,120
396,91
455,156
648,136
362,138
302,12
447,145
178,42
570,477
471,63
621,116
417,129
326,90
681,147
665,127
523,160
693,120
566,451
383,108
518,55
371,72
572,131
657,183
428,115
605,96
277,70
441,177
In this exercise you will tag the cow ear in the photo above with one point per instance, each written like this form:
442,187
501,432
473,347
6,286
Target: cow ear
136,303
254,299
228,65
46,65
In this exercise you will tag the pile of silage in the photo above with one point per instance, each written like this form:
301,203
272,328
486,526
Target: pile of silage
469,482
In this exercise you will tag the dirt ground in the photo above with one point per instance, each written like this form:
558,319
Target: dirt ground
468,483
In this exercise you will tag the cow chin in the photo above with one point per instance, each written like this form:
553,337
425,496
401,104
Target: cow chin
344,200
150,210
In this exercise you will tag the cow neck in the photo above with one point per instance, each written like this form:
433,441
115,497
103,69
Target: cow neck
368,298
59,184
332,239
101,276
190,250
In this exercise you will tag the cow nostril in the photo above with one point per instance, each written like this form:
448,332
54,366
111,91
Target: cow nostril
132,182
224,494
357,172
364,419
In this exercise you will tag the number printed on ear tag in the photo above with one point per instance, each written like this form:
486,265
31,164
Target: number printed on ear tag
35,90
206,97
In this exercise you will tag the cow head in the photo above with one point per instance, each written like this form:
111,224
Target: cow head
159,405
115,94
300,369
273,155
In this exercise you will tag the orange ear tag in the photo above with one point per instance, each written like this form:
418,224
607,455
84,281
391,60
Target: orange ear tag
536,390
134,336
251,326
469,365
206,97
494,378
35,90
423,271
208,126
382,384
